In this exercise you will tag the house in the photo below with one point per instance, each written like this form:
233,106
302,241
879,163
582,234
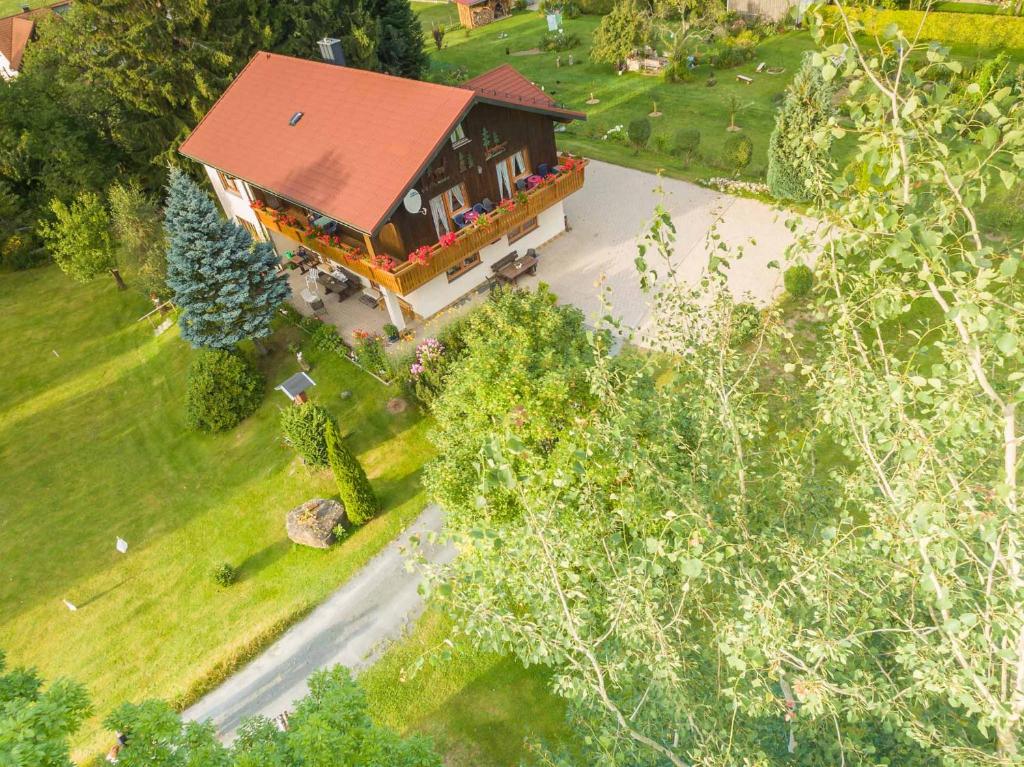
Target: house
17,31
477,13
772,10
410,189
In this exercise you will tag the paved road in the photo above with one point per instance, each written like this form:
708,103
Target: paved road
349,628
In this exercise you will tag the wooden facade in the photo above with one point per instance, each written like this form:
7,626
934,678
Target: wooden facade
482,13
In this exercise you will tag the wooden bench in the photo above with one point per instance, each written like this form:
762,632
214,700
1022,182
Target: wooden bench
744,79
504,261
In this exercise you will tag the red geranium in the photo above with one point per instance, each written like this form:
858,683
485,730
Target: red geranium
421,255
447,239
258,205
383,261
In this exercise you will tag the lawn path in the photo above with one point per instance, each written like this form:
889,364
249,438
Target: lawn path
350,628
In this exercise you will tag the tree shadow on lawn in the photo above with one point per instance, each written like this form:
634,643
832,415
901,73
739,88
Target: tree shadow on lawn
258,561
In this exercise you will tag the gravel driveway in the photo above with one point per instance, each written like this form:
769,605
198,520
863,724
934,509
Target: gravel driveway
614,207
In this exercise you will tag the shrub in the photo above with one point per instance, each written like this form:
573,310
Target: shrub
325,338
391,331
595,7
303,428
737,152
975,30
223,390
798,280
687,141
639,132
370,352
559,40
353,486
746,322
225,574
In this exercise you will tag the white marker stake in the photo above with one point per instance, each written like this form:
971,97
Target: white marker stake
70,606
122,545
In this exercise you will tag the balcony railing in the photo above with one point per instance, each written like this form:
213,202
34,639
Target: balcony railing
407,276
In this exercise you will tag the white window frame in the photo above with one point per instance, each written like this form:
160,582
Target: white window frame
458,136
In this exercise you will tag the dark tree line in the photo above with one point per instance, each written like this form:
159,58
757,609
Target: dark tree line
110,90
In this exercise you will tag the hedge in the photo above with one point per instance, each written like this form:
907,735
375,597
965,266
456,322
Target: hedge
962,28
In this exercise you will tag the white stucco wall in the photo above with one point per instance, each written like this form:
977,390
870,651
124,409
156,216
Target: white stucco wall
439,293
5,69
235,205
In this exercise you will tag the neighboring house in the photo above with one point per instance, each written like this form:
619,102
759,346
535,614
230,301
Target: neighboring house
477,13
17,31
773,10
383,177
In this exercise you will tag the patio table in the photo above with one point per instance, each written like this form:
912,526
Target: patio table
513,271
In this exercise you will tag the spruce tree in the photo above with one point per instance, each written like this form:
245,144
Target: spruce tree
796,162
399,39
353,486
225,285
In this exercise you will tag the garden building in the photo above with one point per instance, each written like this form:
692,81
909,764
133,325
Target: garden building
400,194
477,13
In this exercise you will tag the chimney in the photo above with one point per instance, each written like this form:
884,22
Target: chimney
331,52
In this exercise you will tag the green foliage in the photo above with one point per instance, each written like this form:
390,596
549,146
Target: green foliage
746,323
79,237
137,226
625,30
523,369
303,428
400,39
639,132
226,286
737,151
559,40
324,338
35,724
595,7
800,147
687,142
370,353
391,331
732,51
329,727
225,574
353,487
223,390
984,31
799,280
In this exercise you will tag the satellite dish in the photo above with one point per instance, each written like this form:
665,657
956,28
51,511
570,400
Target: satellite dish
413,202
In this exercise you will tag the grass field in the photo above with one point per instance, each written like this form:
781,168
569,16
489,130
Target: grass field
93,445
479,708
10,7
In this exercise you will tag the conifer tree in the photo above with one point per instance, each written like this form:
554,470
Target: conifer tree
353,486
224,284
796,162
400,39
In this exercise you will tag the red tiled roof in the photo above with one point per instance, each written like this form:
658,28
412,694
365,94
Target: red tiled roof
363,138
16,31
506,85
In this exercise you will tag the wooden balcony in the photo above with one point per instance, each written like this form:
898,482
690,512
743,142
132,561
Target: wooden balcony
407,276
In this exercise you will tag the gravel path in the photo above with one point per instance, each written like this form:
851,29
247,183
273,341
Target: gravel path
371,608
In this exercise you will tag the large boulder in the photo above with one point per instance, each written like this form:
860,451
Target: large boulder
313,523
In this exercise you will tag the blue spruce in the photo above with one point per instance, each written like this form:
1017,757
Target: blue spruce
225,285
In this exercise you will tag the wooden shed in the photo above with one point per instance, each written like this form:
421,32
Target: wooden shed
477,13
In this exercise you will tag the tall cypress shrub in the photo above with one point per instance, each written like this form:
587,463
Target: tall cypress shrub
225,285
353,486
797,164
400,39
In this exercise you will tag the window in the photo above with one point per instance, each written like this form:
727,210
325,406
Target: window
458,136
457,199
517,233
512,169
250,227
446,206
230,183
463,266
440,215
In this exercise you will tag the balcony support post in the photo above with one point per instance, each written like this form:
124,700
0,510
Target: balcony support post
394,308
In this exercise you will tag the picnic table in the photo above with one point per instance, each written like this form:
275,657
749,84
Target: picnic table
513,270
342,287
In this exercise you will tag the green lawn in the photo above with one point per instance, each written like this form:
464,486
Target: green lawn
93,445
626,97
479,708
10,7
446,14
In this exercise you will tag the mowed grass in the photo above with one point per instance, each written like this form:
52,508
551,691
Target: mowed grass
11,7
93,445
481,709
446,14
626,97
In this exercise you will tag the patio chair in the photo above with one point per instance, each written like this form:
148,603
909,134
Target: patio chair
543,170
487,205
479,209
460,220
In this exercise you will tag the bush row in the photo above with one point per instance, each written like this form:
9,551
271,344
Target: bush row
965,28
